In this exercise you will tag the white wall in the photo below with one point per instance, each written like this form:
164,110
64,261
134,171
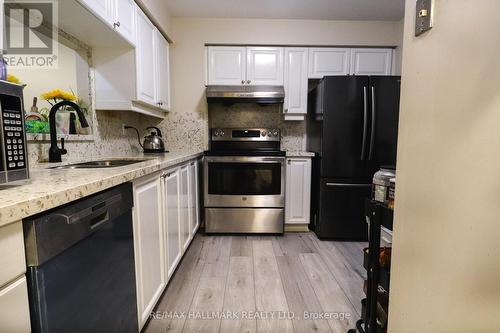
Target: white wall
399,49
188,55
446,250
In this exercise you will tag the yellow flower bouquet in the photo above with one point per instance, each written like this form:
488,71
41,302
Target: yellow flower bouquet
57,95
13,79
62,118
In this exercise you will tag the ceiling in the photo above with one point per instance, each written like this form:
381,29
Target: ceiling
391,10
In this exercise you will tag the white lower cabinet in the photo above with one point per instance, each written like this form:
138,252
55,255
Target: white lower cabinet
194,211
171,183
163,205
12,256
185,228
298,190
14,309
148,244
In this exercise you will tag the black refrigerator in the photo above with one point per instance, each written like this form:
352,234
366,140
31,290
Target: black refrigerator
352,127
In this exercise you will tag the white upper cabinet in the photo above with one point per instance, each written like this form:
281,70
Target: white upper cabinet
231,65
146,60
298,190
226,65
296,80
135,78
124,19
120,14
264,66
371,61
100,8
328,61
163,72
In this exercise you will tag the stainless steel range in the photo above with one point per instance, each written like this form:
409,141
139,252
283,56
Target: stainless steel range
244,181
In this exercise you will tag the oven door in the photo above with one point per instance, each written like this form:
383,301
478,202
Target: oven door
244,181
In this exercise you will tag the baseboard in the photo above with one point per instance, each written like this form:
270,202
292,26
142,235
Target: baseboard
296,227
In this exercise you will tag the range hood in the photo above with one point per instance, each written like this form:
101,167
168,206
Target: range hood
246,94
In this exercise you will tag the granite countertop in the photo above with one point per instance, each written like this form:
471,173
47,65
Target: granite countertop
299,154
50,188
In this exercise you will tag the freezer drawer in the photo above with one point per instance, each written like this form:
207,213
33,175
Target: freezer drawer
341,211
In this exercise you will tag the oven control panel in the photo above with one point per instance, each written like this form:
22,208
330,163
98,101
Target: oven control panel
243,134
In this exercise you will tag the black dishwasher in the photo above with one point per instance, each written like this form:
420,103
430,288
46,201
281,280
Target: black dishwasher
81,271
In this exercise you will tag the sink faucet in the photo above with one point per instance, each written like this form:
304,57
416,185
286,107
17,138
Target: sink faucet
54,151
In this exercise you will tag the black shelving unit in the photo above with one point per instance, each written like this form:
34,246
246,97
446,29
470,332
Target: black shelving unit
378,278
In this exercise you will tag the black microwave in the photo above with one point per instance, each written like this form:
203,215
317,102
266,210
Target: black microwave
13,152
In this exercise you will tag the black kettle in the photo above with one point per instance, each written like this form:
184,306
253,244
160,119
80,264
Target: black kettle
153,143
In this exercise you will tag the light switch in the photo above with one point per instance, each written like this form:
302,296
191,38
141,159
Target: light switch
424,16
423,13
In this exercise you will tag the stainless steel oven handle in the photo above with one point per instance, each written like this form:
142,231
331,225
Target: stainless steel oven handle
243,159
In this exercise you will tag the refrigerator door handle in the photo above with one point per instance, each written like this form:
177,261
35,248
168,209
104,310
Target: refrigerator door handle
374,118
347,185
365,121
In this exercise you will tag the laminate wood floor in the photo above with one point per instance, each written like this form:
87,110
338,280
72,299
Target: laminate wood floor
290,283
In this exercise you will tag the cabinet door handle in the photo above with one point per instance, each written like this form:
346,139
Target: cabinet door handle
116,24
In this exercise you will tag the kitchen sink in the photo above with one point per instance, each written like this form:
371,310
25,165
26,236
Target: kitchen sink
100,164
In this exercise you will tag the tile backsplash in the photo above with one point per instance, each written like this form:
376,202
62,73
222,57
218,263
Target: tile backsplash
108,139
252,115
